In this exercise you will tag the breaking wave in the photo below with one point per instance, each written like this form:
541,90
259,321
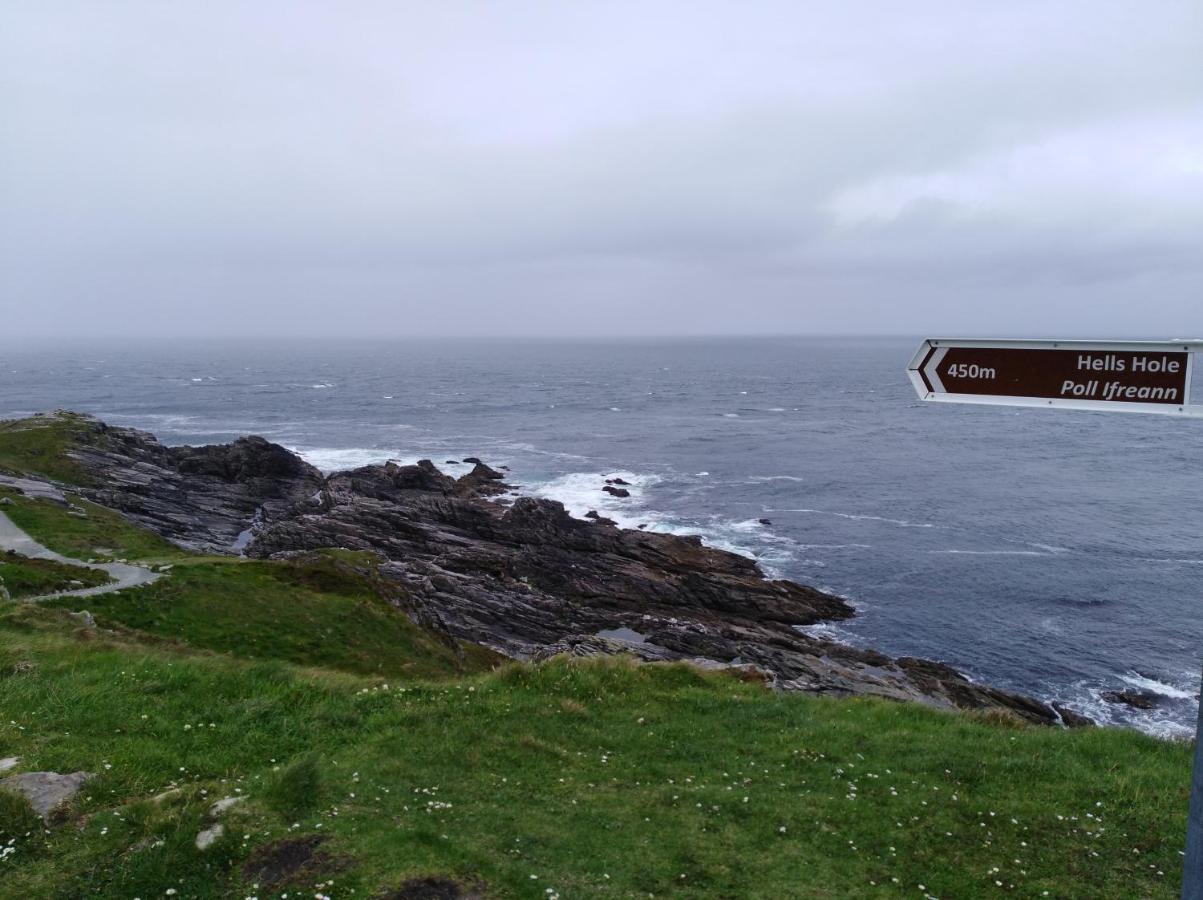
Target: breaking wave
581,492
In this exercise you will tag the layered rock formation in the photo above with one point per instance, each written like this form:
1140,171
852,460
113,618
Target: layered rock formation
202,498
520,576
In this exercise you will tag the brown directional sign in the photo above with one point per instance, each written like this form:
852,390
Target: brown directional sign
1137,377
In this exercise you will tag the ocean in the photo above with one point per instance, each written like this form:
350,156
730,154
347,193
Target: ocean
1051,552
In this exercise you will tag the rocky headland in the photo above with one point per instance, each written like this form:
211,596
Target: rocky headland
516,574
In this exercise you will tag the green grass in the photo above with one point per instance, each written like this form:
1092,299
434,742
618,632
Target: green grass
38,446
326,610
592,779
387,753
25,577
101,534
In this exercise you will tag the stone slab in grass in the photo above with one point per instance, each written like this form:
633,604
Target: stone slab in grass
46,791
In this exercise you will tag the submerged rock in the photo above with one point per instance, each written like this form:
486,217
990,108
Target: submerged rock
1134,699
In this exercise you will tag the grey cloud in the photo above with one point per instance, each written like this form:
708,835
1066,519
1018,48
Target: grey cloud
519,167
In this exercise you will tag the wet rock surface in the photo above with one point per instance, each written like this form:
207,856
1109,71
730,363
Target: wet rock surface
1134,699
521,576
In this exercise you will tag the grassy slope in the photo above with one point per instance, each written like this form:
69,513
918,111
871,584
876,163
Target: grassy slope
599,779
38,445
102,534
25,577
596,778
321,612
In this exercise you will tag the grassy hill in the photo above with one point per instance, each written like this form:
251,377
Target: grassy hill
377,759
23,577
38,446
579,778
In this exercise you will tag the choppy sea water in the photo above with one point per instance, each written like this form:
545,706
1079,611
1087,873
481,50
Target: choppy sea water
1056,553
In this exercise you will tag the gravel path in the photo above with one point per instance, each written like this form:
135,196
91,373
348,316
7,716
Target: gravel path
125,575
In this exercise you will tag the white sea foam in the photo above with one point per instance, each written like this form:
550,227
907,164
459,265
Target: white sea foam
829,631
338,459
746,525
1051,625
902,523
834,546
581,492
165,420
987,553
1051,548
762,478
1167,724
520,447
1157,687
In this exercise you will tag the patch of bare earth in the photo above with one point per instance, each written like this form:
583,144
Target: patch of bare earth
433,888
292,861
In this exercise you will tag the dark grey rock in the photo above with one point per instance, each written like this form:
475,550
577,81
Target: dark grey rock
1134,699
201,498
1070,718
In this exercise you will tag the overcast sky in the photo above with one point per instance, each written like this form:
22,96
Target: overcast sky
600,168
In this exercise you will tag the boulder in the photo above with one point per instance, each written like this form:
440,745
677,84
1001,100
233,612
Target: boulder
84,617
616,491
46,791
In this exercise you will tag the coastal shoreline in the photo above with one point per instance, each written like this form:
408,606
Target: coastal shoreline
518,575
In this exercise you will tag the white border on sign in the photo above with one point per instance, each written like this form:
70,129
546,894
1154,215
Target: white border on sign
943,345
